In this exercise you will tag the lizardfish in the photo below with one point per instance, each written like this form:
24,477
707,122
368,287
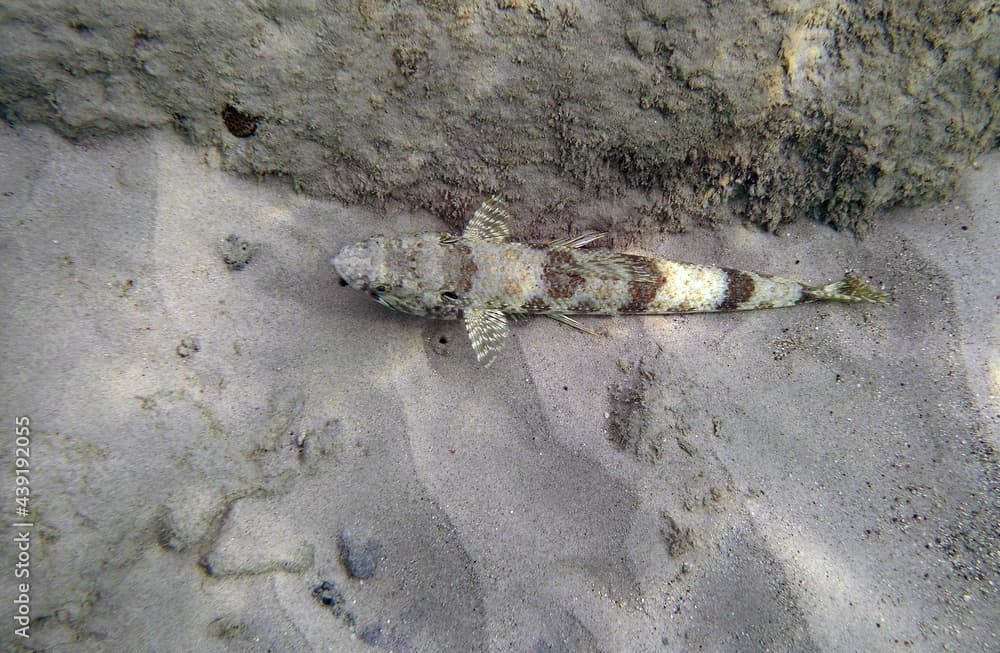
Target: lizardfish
484,278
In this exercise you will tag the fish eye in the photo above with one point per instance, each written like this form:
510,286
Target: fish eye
380,288
449,296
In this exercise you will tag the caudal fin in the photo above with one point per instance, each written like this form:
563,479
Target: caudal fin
848,289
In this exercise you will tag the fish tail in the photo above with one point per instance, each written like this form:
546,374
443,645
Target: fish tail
849,289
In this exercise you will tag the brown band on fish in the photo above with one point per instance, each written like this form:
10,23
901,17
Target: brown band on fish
642,292
557,272
739,288
467,268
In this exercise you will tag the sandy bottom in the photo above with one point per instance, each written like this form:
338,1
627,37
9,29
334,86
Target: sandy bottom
230,452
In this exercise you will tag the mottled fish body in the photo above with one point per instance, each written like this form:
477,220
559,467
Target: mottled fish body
484,278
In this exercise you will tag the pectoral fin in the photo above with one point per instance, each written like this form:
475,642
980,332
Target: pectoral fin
490,222
487,330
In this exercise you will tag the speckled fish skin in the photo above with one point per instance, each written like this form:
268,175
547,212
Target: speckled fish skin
484,278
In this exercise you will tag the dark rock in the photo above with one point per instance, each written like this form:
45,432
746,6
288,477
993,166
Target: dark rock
359,560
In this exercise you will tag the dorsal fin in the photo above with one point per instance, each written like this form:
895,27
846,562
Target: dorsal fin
490,222
585,238
605,263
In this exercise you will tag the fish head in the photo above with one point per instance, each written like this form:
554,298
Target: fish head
413,274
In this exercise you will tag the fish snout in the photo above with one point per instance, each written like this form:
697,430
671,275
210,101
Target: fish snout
353,266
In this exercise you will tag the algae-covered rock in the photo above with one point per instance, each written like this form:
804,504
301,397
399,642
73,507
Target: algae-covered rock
769,111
